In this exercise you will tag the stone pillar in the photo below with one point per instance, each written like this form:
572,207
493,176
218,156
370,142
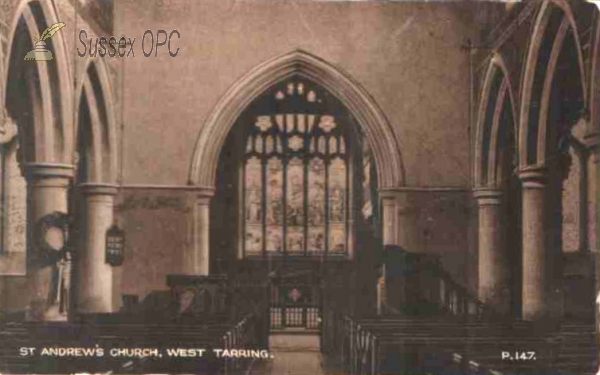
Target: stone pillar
493,266
399,220
389,237
388,209
197,261
592,142
407,216
95,281
535,259
381,293
48,185
399,228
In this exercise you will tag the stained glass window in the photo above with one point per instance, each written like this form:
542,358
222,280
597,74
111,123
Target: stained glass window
296,174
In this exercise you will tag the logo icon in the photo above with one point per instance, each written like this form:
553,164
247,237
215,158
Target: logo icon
40,53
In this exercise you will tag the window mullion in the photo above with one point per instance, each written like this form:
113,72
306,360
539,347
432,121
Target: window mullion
244,208
327,163
263,165
306,161
284,137
280,122
350,203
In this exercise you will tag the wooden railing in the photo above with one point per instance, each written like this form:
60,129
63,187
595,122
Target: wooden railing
453,298
343,340
244,335
248,334
424,287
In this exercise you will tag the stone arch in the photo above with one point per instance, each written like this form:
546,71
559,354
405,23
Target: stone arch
38,98
489,117
96,176
496,191
95,94
554,24
553,97
53,130
376,127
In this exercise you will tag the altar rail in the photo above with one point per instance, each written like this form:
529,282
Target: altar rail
301,316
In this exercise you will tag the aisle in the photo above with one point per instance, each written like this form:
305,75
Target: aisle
294,354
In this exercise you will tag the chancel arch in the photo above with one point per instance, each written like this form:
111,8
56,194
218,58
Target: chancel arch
375,125
299,65
294,196
296,166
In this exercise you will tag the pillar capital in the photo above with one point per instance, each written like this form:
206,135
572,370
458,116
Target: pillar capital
204,194
533,176
387,194
96,188
388,201
35,171
488,196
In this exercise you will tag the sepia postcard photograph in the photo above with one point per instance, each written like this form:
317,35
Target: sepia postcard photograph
300,187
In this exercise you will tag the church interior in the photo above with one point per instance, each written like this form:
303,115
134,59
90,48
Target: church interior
300,187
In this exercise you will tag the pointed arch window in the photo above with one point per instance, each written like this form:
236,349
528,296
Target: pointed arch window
296,174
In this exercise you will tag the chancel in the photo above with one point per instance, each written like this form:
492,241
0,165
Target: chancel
305,187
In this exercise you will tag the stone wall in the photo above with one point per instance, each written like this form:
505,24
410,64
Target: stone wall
408,56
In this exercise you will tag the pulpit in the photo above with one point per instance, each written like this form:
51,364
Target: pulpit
408,277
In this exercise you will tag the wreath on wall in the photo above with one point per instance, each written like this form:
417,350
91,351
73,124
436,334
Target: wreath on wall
51,238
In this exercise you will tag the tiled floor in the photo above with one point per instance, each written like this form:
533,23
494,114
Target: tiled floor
293,354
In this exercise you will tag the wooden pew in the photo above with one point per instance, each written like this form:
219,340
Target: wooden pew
376,345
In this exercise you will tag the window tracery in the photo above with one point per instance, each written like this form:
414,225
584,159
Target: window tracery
296,175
